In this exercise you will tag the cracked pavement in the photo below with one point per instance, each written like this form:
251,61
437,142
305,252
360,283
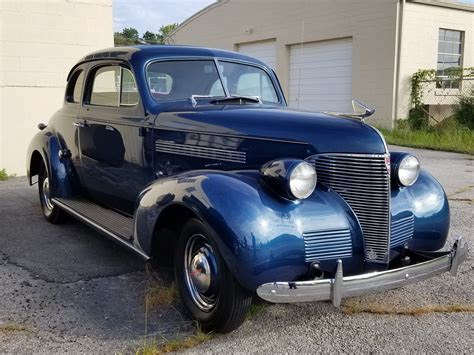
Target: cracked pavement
76,291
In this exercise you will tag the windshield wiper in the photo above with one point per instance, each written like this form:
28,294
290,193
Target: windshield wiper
239,99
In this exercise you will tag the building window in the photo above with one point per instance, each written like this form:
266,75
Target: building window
450,46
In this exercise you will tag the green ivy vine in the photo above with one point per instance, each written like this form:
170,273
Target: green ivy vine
416,89
430,74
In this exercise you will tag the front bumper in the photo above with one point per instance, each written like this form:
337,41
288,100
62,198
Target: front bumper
341,287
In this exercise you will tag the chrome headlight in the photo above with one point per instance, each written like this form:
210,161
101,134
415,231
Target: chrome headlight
292,178
407,170
302,180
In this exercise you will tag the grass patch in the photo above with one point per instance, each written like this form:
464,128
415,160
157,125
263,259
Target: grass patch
12,328
355,308
167,346
449,136
257,307
160,295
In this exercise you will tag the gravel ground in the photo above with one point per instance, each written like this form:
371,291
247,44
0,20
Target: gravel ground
66,288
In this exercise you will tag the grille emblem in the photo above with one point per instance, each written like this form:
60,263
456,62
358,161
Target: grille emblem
371,255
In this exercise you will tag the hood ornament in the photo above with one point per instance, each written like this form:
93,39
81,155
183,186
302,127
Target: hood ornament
356,114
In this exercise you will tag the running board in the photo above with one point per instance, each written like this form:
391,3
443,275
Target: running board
105,221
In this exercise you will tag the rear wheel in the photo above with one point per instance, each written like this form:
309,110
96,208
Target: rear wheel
52,212
207,287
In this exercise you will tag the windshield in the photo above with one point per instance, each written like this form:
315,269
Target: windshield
183,79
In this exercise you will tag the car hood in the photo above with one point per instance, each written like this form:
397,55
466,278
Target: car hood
323,132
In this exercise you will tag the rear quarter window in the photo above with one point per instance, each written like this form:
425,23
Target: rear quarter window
74,87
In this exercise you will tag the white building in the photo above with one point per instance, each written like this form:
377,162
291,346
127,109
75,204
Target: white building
326,52
40,40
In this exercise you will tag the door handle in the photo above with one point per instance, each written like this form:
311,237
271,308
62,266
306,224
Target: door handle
78,124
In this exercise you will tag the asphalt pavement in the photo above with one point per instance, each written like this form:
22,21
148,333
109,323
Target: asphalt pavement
67,288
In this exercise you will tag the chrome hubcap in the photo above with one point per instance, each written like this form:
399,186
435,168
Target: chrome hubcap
46,194
200,272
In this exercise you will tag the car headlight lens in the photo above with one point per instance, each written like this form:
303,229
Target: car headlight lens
408,170
302,180
293,179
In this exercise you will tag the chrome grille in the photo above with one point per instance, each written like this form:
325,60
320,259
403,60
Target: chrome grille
402,230
363,181
327,244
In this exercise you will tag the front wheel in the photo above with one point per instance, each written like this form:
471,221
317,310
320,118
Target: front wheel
52,212
207,287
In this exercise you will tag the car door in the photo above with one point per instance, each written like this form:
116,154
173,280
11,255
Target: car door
116,160
65,123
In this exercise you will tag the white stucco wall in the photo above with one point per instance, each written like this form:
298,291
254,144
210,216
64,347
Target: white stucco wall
419,44
40,40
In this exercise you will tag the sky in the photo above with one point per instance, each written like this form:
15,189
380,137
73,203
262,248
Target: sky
150,15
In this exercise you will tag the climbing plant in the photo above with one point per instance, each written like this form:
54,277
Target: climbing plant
416,88
417,117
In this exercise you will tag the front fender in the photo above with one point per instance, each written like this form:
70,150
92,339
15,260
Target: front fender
428,203
261,234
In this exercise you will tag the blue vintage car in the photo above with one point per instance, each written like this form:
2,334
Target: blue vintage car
190,155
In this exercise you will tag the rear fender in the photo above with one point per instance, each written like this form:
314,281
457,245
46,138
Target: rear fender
48,146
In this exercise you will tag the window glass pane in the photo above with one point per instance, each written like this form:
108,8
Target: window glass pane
442,47
160,83
105,89
247,80
78,87
179,80
129,89
449,49
74,87
454,36
441,34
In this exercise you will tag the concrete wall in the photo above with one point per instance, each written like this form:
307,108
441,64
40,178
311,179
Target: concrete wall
40,40
419,43
372,25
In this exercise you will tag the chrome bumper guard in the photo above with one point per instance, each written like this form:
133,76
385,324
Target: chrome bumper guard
340,287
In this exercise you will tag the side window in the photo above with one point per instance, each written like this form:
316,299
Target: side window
114,86
74,87
256,84
106,87
129,92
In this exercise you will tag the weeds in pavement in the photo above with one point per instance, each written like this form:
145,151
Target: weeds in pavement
158,295
12,327
152,347
257,307
354,308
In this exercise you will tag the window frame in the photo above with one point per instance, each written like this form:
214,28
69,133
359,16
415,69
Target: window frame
443,79
89,84
275,88
273,78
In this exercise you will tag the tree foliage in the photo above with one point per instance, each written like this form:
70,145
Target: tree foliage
130,36
149,37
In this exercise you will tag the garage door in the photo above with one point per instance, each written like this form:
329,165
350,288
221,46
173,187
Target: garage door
321,76
265,51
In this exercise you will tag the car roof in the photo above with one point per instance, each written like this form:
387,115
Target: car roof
144,53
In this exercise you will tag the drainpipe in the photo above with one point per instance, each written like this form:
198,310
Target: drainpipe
401,8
